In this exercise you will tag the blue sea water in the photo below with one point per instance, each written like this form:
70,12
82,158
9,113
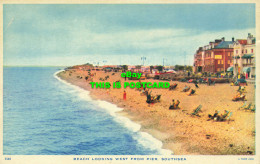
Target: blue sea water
43,115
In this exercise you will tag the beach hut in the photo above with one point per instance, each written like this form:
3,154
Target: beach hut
170,71
230,69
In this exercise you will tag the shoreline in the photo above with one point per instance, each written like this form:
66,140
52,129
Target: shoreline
178,131
121,114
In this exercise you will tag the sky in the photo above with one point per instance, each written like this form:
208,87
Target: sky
65,35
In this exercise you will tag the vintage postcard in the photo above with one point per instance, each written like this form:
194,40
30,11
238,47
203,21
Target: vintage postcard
129,82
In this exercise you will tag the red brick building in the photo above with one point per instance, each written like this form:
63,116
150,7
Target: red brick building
215,57
223,56
198,60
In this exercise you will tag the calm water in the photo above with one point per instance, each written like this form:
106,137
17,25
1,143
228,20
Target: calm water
46,116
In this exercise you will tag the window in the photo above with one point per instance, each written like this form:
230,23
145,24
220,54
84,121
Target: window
222,62
242,51
228,53
252,50
236,51
228,61
246,51
218,61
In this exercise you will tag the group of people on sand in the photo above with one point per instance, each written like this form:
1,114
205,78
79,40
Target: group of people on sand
175,104
217,117
152,99
240,94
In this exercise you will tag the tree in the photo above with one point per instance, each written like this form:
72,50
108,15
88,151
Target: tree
88,64
125,67
160,68
151,68
188,68
179,67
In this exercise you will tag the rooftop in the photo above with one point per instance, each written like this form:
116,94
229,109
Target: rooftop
224,44
242,41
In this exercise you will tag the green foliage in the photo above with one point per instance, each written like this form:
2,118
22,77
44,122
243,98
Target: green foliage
181,68
88,64
188,68
151,68
160,68
125,67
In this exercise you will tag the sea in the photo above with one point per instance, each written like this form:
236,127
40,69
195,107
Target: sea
44,115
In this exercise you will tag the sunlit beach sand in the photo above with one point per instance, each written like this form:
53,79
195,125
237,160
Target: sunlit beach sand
178,129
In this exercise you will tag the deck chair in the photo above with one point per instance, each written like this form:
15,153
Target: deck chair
172,87
195,113
239,88
253,108
192,92
228,118
185,89
242,97
248,107
224,117
230,114
158,98
243,106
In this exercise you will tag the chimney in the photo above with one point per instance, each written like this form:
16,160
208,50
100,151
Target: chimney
223,39
233,39
249,38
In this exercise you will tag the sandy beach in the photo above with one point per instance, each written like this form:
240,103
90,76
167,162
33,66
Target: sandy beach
177,129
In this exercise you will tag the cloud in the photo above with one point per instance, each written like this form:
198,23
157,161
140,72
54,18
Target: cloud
65,34
118,47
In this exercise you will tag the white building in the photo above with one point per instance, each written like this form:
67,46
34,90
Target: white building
244,56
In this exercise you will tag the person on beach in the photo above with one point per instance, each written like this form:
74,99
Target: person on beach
215,116
174,105
124,95
125,78
223,116
209,81
173,101
149,97
239,96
